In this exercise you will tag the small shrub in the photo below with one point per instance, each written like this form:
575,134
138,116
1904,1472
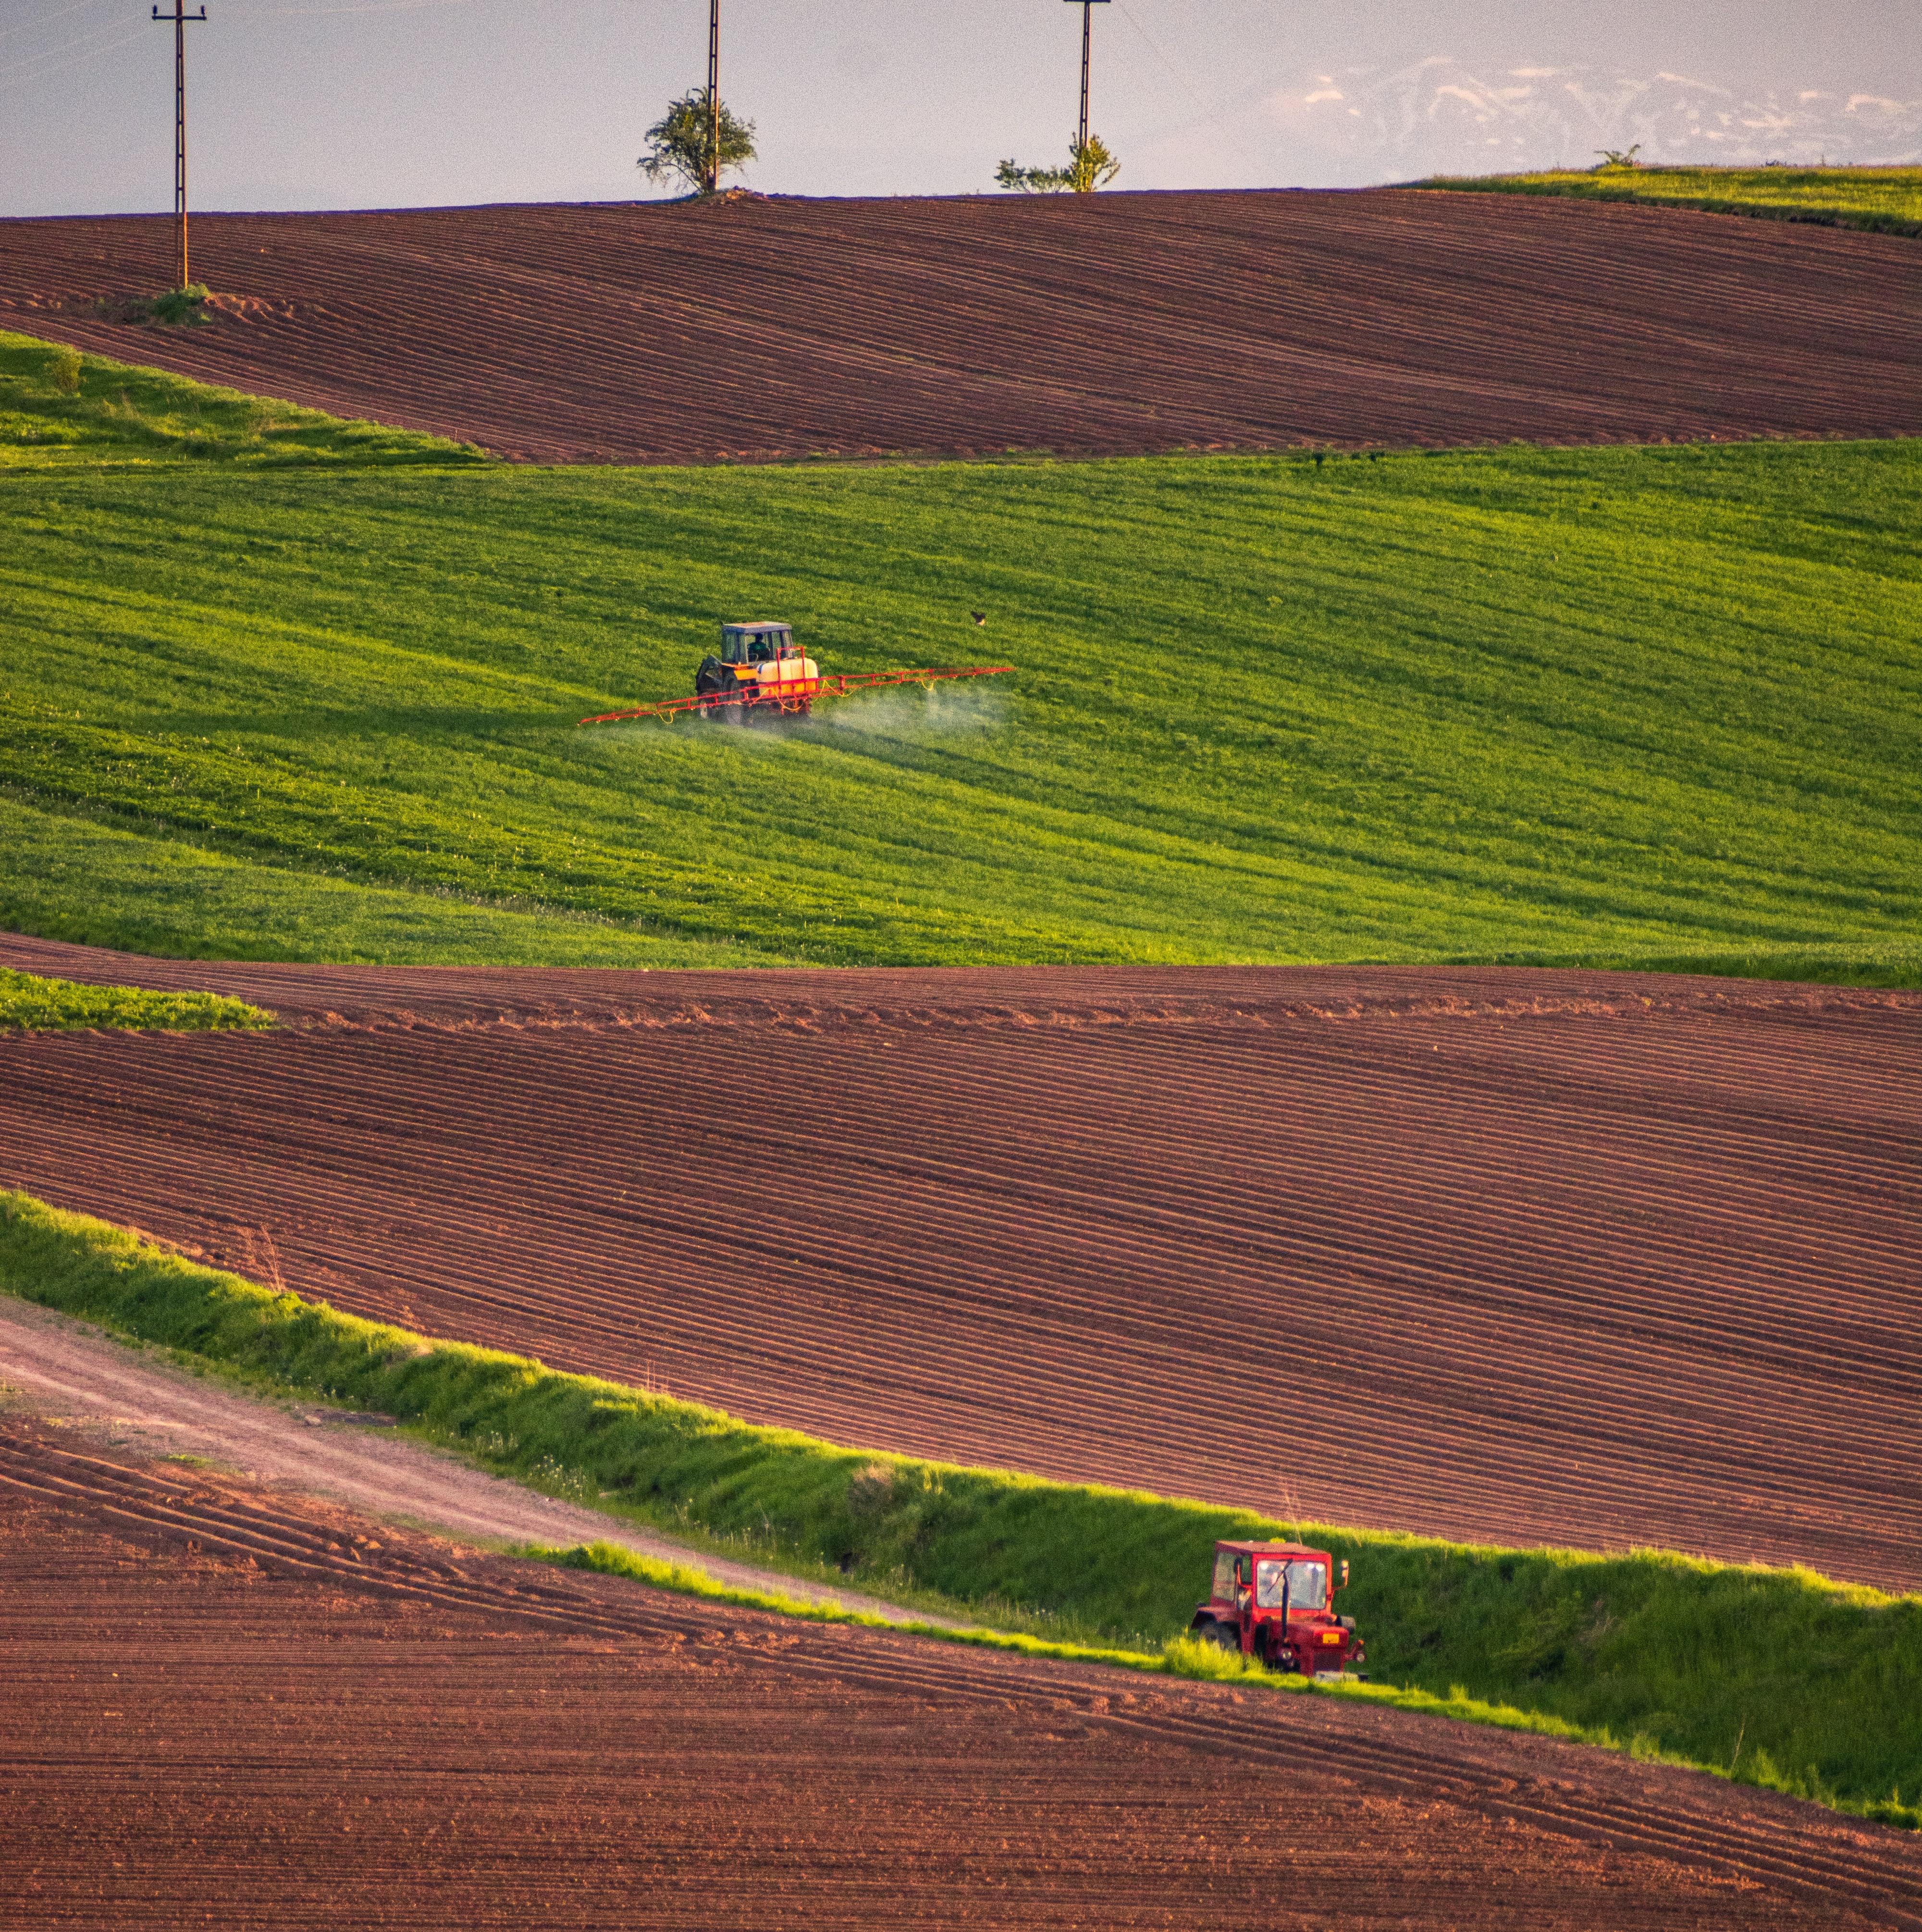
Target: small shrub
180,308
63,368
870,1490
1091,164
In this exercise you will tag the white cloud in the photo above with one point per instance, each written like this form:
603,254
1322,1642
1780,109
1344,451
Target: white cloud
1436,115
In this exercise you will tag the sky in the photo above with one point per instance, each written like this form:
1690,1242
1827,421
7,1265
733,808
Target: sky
371,104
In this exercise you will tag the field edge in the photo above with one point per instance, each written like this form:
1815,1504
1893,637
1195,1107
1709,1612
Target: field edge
1616,187
985,1538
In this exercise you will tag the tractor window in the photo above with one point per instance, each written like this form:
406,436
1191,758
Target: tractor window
732,647
1223,1591
1308,1584
762,649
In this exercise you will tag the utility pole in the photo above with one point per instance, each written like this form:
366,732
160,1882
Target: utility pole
1088,7
181,18
713,95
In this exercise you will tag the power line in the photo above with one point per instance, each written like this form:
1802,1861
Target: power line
87,41
1161,54
362,6
37,62
58,13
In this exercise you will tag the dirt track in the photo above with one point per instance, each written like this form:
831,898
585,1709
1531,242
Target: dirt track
1592,1259
765,328
229,1706
69,1372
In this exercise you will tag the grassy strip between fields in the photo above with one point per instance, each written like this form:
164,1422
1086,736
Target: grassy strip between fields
59,406
1177,1657
1777,1678
1883,201
31,1003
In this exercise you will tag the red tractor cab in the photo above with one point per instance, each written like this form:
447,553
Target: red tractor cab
1275,1602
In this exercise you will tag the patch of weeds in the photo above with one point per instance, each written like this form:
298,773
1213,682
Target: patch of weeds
30,1003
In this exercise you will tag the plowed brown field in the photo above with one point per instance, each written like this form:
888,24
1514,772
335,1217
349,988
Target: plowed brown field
764,329
1601,1259
229,1706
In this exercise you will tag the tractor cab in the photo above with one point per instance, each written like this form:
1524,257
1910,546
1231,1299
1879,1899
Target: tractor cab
1275,1602
760,669
757,643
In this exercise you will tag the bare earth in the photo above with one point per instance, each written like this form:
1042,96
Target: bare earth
226,1706
68,1372
1598,1259
761,329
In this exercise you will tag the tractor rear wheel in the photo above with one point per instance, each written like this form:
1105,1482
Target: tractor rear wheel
1218,1633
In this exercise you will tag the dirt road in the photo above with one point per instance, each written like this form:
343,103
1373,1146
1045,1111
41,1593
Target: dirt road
53,1369
226,1707
767,328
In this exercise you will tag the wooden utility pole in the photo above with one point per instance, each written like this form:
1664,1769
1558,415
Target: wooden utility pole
1087,39
181,19
713,95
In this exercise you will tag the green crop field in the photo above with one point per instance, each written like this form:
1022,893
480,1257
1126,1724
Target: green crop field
1888,200
1646,705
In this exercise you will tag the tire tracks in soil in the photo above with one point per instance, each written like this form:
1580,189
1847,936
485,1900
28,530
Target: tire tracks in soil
1791,1850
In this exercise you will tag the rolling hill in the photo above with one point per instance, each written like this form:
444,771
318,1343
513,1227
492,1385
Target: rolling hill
1641,706
769,328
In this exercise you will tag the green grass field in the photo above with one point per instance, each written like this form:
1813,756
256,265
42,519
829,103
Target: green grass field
30,1003
1886,200
1644,705
1779,1676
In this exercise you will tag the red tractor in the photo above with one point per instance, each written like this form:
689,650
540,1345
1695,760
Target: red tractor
1274,1602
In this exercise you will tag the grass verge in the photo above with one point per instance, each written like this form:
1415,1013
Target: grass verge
30,1003
1178,1656
1782,1678
58,407
1886,201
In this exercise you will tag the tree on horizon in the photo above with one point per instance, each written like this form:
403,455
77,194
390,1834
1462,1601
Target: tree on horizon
1091,164
680,144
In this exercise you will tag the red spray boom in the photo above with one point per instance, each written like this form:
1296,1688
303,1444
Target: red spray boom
792,696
